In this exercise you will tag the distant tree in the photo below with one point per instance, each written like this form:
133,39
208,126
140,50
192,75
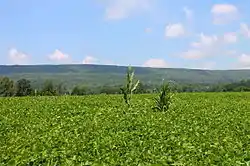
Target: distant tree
48,88
35,92
77,90
241,89
61,89
6,87
110,89
187,88
141,88
23,88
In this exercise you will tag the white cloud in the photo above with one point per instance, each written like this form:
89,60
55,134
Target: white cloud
209,46
224,13
121,9
17,57
90,60
206,41
230,37
244,61
157,63
245,30
59,56
224,9
174,30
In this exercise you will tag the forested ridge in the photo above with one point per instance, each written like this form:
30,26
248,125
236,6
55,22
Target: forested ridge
107,75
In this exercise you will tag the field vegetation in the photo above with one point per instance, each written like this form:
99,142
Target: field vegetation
198,129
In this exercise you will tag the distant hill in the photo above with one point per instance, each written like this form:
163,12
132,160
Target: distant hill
96,75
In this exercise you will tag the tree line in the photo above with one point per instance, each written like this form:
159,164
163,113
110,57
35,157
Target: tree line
24,87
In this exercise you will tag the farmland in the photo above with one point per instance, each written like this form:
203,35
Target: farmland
199,129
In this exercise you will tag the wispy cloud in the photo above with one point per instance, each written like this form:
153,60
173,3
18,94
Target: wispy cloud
224,13
90,60
244,61
17,57
245,30
209,45
174,30
121,9
60,57
158,63
188,13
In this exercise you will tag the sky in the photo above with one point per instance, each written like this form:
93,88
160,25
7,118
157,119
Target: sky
202,34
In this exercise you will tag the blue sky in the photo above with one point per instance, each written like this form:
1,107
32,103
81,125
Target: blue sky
211,34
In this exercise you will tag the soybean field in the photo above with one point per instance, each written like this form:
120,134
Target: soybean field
198,129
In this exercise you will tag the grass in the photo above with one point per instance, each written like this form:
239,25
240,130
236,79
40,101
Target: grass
200,129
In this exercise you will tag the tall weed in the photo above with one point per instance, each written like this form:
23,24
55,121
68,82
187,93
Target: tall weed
130,87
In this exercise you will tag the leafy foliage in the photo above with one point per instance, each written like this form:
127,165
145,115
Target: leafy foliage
48,88
61,89
204,129
77,90
6,87
130,87
23,88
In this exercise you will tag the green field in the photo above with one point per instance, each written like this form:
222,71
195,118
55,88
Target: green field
200,129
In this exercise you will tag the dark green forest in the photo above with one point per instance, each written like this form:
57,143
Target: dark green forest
100,79
106,75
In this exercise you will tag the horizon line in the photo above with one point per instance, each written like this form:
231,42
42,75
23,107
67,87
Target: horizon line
113,65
